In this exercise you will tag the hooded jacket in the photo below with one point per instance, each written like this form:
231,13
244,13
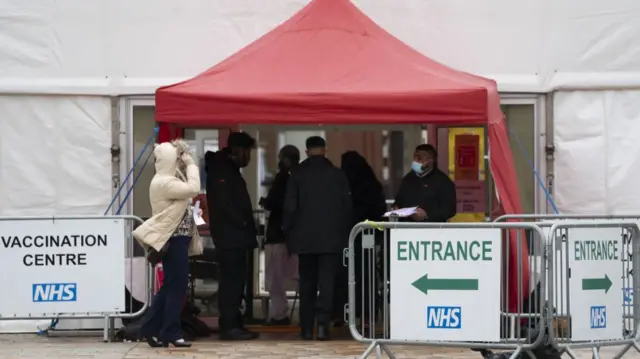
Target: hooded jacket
169,198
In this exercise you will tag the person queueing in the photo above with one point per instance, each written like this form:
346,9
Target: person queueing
280,265
317,214
170,235
427,188
369,203
233,229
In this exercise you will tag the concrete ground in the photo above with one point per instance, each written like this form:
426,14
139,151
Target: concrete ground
274,347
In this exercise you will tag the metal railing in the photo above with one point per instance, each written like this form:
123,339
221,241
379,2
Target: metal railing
595,262
424,264
29,223
560,277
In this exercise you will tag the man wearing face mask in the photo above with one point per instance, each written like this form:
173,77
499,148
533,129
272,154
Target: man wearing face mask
280,265
232,228
427,188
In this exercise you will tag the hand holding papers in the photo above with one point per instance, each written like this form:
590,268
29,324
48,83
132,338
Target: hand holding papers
197,216
402,212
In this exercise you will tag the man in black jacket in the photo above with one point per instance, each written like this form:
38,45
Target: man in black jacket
427,188
317,214
280,265
232,227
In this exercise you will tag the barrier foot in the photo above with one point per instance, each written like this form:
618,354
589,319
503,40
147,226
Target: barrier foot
515,354
370,349
107,329
379,349
626,349
378,352
596,353
387,351
571,353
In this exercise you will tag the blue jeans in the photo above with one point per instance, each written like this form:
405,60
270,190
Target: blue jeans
162,319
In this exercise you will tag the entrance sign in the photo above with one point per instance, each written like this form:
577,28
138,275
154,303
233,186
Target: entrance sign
595,260
62,266
445,284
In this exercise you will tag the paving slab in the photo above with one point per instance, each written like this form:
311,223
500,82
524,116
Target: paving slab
72,347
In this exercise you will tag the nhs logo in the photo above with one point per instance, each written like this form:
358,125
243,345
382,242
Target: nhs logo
598,317
444,317
54,292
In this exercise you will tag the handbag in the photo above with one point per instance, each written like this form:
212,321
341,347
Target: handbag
154,257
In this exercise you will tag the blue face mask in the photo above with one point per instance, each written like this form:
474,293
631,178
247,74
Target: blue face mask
416,167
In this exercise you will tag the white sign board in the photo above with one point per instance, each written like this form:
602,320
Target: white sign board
62,266
595,260
445,284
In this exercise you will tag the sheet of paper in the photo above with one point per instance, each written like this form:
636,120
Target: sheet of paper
402,212
196,216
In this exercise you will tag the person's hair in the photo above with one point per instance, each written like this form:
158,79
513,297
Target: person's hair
427,148
355,166
315,142
292,153
241,140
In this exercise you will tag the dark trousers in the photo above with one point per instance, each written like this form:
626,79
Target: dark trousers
162,319
233,277
317,274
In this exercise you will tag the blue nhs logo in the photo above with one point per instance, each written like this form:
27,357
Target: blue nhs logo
444,317
54,292
598,317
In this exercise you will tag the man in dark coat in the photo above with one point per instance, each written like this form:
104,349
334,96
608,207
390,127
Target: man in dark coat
317,214
280,265
232,227
427,188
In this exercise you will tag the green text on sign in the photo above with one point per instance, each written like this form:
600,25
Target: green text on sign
425,284
597,283
444,251
596,250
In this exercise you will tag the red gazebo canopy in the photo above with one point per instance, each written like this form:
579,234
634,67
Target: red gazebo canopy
331,64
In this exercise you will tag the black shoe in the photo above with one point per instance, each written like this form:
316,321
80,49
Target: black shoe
180,343
306,334
323,333
154,342
276,322
238,334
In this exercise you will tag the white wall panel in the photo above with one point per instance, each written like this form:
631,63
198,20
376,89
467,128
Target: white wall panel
123,47
597,161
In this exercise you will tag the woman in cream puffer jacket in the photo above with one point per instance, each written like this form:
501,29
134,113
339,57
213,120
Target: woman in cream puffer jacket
172,232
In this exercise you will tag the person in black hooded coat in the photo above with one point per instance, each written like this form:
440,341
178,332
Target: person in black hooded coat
369,203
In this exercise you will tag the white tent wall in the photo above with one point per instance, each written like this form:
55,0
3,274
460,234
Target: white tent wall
54,160
597,163
54,155
118,47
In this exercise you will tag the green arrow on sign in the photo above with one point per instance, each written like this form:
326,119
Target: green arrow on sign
424,284
597,283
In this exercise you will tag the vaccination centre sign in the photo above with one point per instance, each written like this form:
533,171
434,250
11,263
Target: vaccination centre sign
62,266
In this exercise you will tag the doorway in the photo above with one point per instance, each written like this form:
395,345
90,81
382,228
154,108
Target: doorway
462,151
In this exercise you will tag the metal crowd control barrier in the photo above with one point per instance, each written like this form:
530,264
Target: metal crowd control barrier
559,297
108,317
599,260
436,276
